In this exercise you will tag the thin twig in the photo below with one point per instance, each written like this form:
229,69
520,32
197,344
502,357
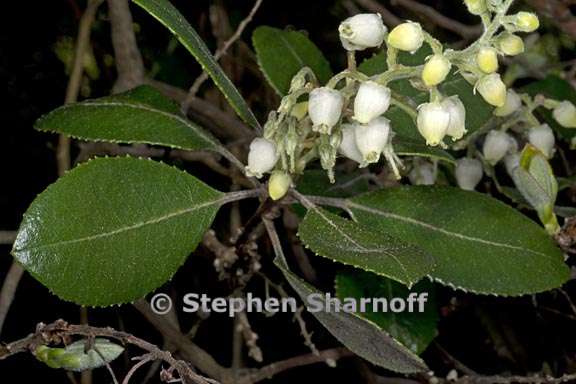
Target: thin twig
390,19
7,237
129,64
143,360
219,53
9,287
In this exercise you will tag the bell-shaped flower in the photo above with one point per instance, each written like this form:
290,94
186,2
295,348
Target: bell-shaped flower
325,108
496,146
468,173
457,111
371,101
433,121
542,138
362,31
565,114
348,147
492,89
423,173
262,157
371,139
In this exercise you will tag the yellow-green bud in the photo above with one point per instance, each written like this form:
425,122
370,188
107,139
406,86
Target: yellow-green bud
526,21
278,185
476,7
435,70
487,60
492,89
510,44
406,37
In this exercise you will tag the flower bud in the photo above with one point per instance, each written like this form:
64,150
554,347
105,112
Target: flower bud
423,173
468,173
435,70
476,7
362,31
372,138
457,125
348,147
262,157
371,101
406,37
510,44
278,185
492,89
526,21
565,114
324,108
433,121
513,103
496,145
542,138
487,60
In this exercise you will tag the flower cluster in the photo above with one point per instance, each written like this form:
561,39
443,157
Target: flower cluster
347,116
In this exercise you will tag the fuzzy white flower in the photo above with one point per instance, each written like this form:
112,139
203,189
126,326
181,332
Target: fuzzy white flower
278,185
324,108
468,173
565,114
406,37
435,70
542,138
496,146
492,89
513,103
371,101
457,111
362,31
511,161
371,139
348,147
433,121
262,157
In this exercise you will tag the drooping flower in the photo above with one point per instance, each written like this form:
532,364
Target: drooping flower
348,147
262,157
496,146
433,121
542,138
278,185
324,108
371,101
492,89
362,31
513,103
457,111
468,173
371,139
565,114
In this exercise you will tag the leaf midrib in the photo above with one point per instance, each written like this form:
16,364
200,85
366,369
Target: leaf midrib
138,225
446,232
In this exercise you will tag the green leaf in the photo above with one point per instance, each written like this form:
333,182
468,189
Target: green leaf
479,244
359,335
281,54
114,229
414,329
141,115
347,242
553,87
172,19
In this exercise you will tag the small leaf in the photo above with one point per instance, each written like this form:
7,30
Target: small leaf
172,19
114,229
281,54
414,329
75,357
350,243
479,244
359,335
